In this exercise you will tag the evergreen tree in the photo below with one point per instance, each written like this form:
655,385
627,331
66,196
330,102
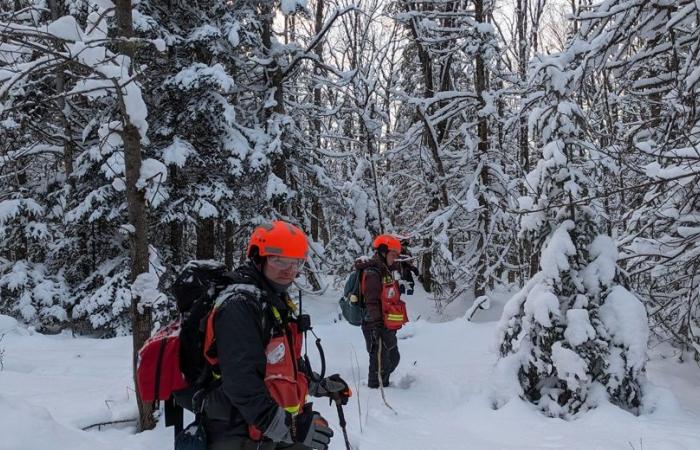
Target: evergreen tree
570,325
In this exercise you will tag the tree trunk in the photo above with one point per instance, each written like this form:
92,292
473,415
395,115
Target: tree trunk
316,208
373,166
426,277
274,80
176,227
21,247
206,238
482,282
136,204
228,244
176,233
60,83
431,138
521,17
521,14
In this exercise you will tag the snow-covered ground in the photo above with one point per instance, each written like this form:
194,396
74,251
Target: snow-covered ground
443,392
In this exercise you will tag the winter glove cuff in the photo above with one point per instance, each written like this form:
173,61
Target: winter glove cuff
278,429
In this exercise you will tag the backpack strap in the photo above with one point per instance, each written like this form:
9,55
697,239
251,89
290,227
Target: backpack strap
243,292
248,291
234,292
363,273
173,415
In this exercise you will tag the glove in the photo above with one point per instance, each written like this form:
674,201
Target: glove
278,429
333,387
317,432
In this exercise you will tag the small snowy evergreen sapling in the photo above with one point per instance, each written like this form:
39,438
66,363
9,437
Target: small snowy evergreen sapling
574,328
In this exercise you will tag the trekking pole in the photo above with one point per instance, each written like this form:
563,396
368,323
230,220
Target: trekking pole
304,324
341,419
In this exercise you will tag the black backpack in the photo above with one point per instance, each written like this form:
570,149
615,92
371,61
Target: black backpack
171,366
194,290
352,303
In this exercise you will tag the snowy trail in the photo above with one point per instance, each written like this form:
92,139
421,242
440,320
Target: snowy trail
443,392
445,386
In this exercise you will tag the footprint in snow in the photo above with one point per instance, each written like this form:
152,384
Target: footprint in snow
406,381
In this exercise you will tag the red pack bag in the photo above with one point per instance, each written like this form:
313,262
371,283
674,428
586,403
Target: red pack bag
393,308
158,372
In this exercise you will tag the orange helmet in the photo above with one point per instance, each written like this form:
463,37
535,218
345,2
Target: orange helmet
390,241
279,239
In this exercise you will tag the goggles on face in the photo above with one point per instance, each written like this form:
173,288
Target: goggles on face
284,263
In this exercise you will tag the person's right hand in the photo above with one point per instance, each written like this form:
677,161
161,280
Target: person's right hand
333,387
318,434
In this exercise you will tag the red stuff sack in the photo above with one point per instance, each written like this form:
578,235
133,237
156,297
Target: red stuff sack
158,372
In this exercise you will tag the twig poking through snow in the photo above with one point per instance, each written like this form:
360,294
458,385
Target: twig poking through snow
356,381
480,303
2,353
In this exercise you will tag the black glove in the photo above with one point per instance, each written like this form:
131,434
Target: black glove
333,387
314,431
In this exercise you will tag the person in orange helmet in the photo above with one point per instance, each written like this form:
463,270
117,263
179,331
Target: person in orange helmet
253,343
385,312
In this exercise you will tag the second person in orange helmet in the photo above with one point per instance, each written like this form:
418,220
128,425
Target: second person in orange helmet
385,312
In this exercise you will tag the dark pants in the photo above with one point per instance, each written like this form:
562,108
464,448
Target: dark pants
407,276
406,283
389,355
241,443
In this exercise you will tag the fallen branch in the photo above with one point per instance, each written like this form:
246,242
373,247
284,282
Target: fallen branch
113,422
480,303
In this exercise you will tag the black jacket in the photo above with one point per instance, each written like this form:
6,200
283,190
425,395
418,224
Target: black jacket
243,327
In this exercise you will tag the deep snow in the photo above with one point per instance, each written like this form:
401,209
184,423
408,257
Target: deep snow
444,392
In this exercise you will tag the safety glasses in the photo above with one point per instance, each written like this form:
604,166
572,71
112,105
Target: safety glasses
283,263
